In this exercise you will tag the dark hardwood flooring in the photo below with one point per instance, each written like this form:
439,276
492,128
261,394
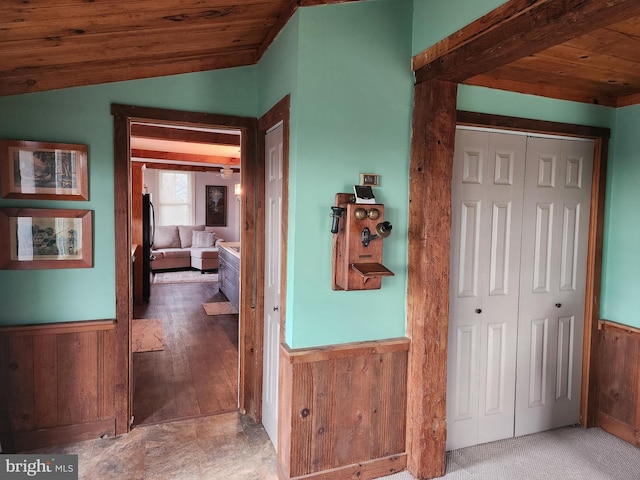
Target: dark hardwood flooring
197,372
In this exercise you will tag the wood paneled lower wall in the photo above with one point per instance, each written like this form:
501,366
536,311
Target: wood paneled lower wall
343,411
618,381
56,383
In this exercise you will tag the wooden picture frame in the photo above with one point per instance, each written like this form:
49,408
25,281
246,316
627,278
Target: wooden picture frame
370,179
216,203
37,238
44,171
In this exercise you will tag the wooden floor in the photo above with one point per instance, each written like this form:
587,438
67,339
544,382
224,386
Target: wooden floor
197,372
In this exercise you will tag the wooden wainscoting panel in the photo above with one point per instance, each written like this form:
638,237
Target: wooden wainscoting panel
106,375
618,382
21,396
343,415
58,383
77,392
45,372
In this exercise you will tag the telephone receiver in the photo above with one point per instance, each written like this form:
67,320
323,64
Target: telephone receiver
336,213
383,230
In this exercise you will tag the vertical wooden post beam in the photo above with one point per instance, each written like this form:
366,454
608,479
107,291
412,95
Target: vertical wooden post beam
122,210
432,146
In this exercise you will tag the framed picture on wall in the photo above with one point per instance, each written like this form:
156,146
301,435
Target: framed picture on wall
216,201
47,171
39,238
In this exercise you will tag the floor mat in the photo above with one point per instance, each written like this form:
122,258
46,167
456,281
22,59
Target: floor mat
147,335
219,308
185,276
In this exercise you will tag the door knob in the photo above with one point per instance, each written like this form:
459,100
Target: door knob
558,305
478,310
275,309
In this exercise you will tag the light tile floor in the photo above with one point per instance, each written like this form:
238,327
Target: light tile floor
227,446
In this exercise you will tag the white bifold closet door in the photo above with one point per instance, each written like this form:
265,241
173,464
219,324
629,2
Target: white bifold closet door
520,209
552,283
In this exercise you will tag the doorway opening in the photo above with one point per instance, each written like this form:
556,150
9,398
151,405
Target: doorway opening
125,120
186,217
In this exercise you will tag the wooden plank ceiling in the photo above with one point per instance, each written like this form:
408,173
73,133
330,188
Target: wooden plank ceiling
601,67
570,49
51,44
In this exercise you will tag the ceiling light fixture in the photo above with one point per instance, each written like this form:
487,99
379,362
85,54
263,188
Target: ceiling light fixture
226,172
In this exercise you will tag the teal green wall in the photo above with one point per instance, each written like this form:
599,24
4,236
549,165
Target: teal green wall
278,70
82,115
621,267
498,102
353,116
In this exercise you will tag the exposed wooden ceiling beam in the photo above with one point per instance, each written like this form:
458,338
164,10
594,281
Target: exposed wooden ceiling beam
182,167
183,157
516,29
183,135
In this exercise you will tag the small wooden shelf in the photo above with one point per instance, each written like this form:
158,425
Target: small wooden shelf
371,270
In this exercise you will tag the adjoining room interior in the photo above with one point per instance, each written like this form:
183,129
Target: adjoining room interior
185,357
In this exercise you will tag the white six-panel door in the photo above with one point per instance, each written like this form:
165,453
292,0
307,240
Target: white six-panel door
273,244
552,286
495,370
488,179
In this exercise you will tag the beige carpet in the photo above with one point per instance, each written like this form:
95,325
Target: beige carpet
219,308
184,276
147,335
569,453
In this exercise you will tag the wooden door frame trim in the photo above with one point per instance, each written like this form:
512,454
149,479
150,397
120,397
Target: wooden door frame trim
280,112
123,116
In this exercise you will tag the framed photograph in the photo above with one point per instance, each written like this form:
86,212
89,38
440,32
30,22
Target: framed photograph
38,238
47,171
216,201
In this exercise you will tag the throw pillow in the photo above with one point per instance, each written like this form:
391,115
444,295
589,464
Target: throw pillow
186,234
166,236
203,239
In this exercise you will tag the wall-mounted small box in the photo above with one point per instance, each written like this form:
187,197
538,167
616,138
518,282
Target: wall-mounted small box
357,245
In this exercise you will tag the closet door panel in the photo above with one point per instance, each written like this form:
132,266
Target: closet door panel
552,286
488,178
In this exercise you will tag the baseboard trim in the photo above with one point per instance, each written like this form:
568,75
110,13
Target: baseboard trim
48,437
380,467
617,428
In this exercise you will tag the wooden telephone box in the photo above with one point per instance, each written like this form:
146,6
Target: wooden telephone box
357,245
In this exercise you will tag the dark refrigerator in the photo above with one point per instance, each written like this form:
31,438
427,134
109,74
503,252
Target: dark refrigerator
148,220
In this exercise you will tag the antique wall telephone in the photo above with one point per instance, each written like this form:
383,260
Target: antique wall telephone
358,226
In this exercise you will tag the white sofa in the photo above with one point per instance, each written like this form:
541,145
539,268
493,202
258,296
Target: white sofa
180,247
